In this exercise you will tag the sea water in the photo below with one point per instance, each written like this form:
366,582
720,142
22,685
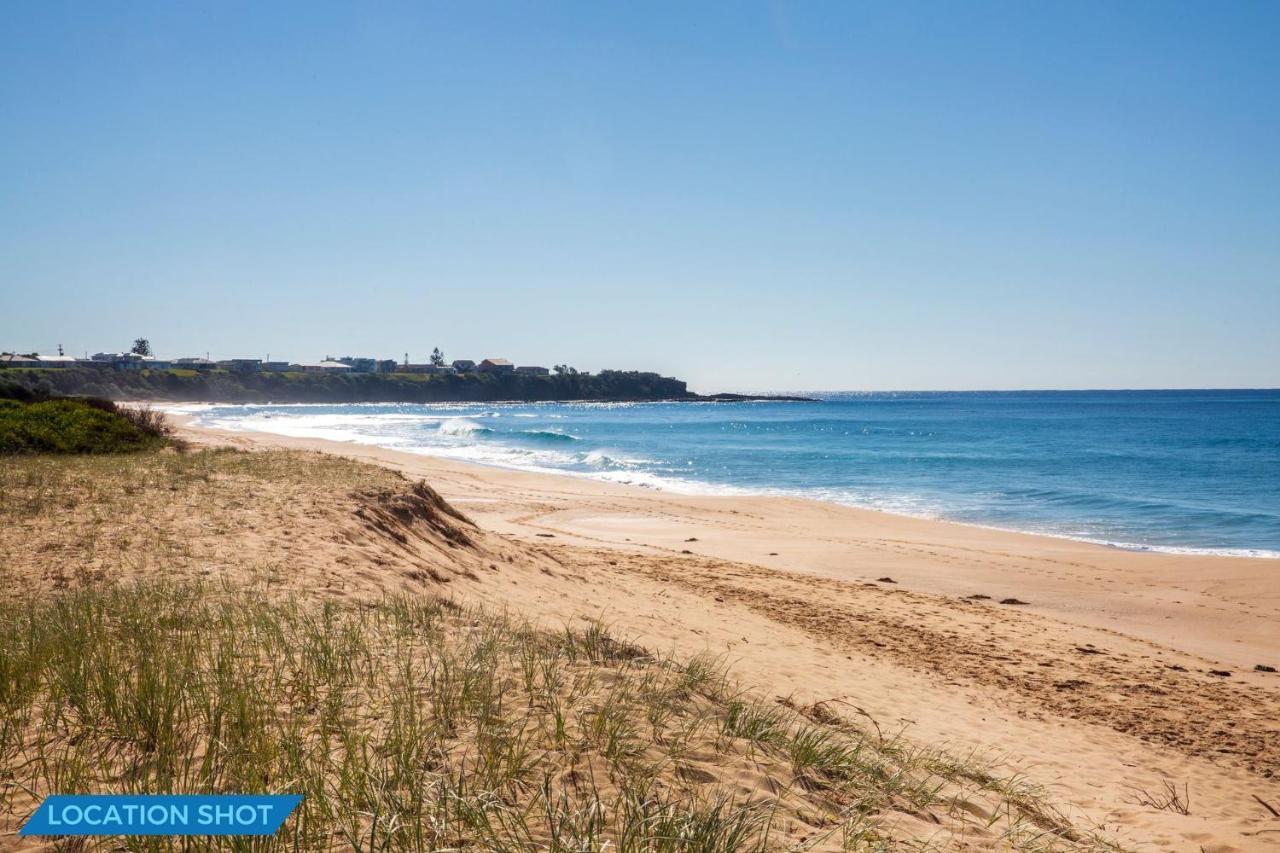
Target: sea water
1167,470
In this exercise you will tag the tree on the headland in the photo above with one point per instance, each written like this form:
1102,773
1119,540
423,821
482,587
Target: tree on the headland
562,369
141,346
437,357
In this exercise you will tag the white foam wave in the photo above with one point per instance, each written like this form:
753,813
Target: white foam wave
462,426
300,428
610,459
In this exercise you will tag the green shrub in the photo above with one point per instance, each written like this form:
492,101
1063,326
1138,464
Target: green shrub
76,426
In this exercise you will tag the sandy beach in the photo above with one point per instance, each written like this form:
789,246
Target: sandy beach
1113,673
627,428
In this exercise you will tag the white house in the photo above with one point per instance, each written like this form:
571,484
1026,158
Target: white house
120,360
327,366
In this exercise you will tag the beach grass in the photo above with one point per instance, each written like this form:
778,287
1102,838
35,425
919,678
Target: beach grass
416,724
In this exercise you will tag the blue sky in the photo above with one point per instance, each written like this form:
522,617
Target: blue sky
750,196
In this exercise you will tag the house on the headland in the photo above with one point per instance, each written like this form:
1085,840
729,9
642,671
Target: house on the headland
275,366
326,366
388,365
430,369
496,365
10,359
114,359
241,365
57,360
194,363
360,365
464,365
532,370
124,361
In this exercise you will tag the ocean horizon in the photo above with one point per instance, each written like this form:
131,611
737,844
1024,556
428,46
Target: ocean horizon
1180,471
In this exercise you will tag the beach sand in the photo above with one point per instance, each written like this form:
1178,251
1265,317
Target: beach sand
1103,682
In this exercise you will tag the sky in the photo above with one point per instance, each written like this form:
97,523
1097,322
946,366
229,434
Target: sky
750,196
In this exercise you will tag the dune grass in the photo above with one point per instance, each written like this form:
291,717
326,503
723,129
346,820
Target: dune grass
415,724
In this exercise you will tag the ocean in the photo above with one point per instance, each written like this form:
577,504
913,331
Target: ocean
1179,471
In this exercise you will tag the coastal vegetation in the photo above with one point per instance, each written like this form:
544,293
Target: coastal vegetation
77,426
301,387
334,652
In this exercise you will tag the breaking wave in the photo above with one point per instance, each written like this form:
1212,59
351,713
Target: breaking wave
463,426
547,435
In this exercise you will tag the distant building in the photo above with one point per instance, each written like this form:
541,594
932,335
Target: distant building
241,365
532,370
194,363
57,360
327,366
120,360
496,365
388,365
464,365
360,365
275,366
433,369
14,360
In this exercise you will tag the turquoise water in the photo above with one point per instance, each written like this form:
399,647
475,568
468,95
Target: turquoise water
1169,470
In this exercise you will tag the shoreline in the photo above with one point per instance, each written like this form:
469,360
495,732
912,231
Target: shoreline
1221,608
1089,672
726,490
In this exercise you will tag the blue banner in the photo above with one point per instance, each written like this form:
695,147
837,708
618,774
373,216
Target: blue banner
161,814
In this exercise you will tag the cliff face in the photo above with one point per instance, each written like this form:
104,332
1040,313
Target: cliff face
223,386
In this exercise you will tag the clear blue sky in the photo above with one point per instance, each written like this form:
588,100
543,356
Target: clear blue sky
750,196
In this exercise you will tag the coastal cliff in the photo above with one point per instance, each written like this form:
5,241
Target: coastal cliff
221,386
225,386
